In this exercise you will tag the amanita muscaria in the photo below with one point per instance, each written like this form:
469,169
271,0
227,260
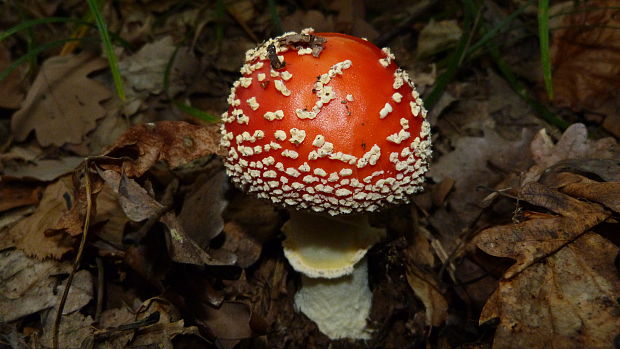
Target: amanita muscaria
326,123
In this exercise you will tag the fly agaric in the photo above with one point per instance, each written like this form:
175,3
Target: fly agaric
327,123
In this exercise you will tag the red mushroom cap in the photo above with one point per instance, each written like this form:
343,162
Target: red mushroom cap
326,122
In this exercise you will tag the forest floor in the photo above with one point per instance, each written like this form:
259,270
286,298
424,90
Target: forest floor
512,244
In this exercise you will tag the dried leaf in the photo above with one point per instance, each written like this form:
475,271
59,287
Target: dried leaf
425,288
229,324
574,144
12,86
562,290
63,104
242,244
586,55
183,249
604,193
532,240
14,195
27,286
169,325
45,170
438,36
110,213
144,70
75,330
201,214
568,301
468,166
29,233
174,142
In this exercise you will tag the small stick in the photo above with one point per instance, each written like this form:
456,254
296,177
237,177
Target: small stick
78,257
100,288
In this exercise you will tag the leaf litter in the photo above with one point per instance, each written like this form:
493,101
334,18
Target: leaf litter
177,257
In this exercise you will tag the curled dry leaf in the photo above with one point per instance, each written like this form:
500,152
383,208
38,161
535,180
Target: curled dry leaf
135,201
586,55
183,249
573,144
425,288
533,240
562,290
174,142
201,214
63,103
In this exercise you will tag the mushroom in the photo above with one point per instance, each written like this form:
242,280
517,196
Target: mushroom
328,125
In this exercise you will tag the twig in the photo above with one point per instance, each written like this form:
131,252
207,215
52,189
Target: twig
100,288
78,257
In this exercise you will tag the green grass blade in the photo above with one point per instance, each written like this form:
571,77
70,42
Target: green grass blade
220,12
168,69
195,112
543,39
108,49
454,61
500,27
34,22
32,53
522,91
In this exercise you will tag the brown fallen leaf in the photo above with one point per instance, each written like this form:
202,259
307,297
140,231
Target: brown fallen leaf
573,144
169,325
437,36
12,86
468,166
75,331
63,103
45,170
201,214
533,240
174,142
110,216
18,194
183,249
425,288
29,233
604,193
567,301
562,290
242,244
586,59
135,201
28,286
229,323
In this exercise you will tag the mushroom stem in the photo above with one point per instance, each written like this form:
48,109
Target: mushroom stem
329,252
338,306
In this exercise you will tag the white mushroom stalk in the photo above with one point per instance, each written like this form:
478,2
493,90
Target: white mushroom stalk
329,252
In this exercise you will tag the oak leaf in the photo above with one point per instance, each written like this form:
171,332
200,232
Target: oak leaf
63,103
562,290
